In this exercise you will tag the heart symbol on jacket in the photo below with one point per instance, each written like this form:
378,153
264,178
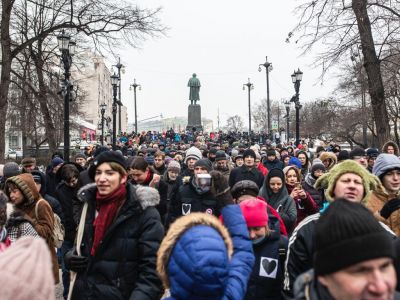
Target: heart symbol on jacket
186,209
269,266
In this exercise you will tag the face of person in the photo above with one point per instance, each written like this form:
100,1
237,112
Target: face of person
362,160
291,177
271,157
158,161
55,169
318,173
257,232
371,279
172,175
275,184
349,186
80,161
239,162
211,156
257,162
221,164
391,181
190,163
16,196
200,170
72,182
286,160
390,150
107,180
30,168
284,152
138,175
302,158
326,162
249,161
371,161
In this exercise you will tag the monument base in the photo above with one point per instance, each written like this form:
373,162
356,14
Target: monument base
194,118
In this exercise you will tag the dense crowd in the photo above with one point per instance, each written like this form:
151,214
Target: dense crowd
193,216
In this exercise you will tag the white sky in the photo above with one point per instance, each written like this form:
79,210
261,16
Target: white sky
223,42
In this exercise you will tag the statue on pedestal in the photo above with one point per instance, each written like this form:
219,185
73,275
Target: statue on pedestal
194,85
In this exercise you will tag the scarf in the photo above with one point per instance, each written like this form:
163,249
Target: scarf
148,178
107,207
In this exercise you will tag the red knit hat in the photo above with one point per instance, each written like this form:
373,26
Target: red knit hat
254,212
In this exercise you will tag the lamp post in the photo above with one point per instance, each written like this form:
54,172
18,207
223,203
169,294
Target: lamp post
249,86
297,76
102,111
287,106
120,68
268,68
67,48
135,85
114,82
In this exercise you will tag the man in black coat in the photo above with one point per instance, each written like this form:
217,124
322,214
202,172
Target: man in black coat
248,171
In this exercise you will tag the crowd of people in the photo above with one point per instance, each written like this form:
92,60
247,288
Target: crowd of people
203,217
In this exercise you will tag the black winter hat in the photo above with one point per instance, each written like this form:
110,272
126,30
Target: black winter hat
107,156
205,163
372,152
346,234
343,155
100,150
244,187
357,152
220,155
271,152
213,151
249,152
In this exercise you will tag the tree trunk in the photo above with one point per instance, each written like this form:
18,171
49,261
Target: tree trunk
372,68
6,58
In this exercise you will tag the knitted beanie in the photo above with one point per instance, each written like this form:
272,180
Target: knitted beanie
174,166
317,165
385,163
105,157
271,152
347,226
254,212
343,155
11,169
249,152
56,161
294,161
220,155
204,163
328,180
372,152
26,271
194,153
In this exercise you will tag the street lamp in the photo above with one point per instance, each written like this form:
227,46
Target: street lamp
297,76
121,69
287,106
134,86
268,68
114,83
249,86
67,48
102,111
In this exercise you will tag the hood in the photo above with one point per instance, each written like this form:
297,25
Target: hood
391,143
199,242
147,196
27,185
385,163
325,155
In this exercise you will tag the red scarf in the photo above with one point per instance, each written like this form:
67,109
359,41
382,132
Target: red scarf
107,206
148,179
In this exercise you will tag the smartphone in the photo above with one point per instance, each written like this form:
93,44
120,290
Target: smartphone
298,186
203,180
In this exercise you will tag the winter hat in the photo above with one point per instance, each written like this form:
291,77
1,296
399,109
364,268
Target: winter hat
294,161
56,161
220,155
275,173
343,155
18,263
213,151
26,185
347,226
149,159
193,152
317,165
329,155
80,155
328,180
11,169
357,152
106,157
100,150
244,187
271,152
385,163
205,163
372,152
249,152
28,161
234,153
254,212
174,166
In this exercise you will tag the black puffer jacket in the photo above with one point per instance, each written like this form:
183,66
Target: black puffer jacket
124,266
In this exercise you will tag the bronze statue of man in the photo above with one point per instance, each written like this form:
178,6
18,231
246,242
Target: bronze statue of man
194,84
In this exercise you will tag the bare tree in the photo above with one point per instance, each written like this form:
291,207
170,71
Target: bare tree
234,123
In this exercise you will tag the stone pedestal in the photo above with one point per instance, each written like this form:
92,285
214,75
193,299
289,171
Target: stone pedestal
194,118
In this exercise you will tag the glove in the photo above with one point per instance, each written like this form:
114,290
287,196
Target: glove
220,188
75,262
390,207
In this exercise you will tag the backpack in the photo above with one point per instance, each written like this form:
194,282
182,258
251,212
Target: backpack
58,229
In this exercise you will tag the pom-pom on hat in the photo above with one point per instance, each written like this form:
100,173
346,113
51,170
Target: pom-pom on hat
254,212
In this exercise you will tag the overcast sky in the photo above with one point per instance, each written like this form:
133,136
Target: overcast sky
223,42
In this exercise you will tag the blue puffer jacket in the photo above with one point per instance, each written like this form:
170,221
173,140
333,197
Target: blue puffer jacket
199,266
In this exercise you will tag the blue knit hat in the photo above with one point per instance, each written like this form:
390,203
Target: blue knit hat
294,161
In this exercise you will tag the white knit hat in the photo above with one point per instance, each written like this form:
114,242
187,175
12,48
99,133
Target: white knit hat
26,271
193,152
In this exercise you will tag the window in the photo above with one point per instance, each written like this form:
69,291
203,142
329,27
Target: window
13,141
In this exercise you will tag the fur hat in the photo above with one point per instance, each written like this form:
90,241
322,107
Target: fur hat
328,180
18,264
328,155
193,152
249,152
385,163
177,230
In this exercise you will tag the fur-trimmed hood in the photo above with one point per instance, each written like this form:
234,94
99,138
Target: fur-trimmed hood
328,155
174,238
147,196
393,144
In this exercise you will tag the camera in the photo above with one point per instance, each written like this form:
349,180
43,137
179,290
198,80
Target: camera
203,180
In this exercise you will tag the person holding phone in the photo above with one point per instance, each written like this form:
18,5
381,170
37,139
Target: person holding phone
305,204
